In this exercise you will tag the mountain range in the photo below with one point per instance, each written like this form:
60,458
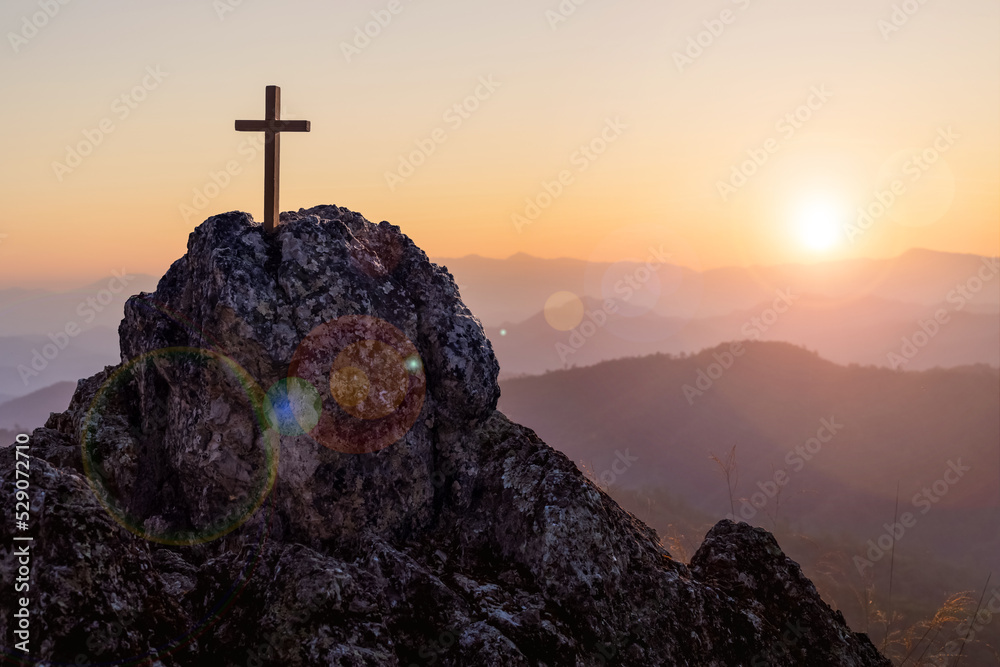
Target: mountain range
854,311
47,337
857,311
826,455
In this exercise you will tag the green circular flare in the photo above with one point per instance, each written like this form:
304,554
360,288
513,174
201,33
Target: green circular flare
137,438
414,364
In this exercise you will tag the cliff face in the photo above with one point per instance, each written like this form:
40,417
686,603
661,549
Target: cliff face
299,462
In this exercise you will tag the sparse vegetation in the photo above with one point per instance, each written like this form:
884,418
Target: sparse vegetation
731,473
919,630
914,597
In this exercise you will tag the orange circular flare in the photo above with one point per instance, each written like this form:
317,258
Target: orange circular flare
369,379
372,378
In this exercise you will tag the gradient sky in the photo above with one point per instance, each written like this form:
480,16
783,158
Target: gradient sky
686,128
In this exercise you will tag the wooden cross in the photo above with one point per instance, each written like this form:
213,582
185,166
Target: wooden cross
272,127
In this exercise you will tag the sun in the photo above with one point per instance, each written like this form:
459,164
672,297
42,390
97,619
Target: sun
818,225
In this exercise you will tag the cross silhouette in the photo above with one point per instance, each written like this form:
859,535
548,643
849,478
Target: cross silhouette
272,126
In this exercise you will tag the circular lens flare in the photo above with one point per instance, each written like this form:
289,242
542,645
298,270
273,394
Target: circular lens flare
564,311
371,378
292,406
130,416
349,386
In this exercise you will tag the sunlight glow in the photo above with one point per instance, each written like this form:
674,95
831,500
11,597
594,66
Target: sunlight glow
818,225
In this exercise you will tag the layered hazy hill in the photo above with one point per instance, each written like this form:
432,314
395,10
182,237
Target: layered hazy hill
508,291
881,427
839,439
47,337
39,311
856,311
36,406
863,331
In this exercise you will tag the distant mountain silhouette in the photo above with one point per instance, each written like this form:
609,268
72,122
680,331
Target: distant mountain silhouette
31,362
645,429
501,291
670,415
866,331
506,291
850,311
82,324
26,312
30,412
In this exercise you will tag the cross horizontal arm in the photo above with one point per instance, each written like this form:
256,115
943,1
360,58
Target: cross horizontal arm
273,126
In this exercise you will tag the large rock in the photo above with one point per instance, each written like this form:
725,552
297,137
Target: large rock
413,525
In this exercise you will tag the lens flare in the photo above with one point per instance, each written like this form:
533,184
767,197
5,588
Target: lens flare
123,435
371,380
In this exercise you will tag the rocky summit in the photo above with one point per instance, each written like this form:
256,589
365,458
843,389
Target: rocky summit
299,462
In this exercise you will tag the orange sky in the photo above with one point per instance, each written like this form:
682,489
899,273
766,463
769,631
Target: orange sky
534,87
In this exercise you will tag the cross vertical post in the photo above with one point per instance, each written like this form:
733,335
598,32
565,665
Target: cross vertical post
272,155
272,126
